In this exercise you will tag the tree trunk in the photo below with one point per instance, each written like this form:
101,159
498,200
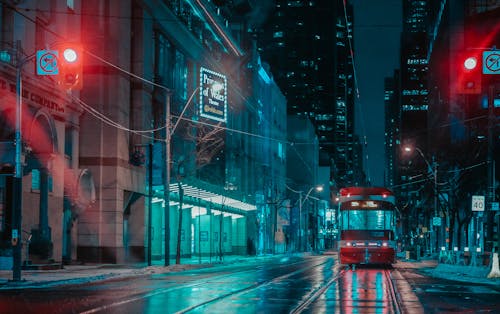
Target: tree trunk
459,235
451,231
179,228
221,225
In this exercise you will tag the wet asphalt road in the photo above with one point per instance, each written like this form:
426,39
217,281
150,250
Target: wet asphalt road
314,284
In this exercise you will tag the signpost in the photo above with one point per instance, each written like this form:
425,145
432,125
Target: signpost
436,221
491,62
478,203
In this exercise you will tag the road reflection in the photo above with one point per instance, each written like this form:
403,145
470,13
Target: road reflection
364,291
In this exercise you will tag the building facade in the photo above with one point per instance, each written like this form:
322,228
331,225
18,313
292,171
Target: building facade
54,189
176,135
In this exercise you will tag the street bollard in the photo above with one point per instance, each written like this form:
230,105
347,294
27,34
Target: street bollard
495,271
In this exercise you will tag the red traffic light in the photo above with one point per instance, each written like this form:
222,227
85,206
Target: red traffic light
470,63
70,55
469,74
70,66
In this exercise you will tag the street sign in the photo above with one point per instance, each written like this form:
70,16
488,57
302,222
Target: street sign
491,62
494,206
436,221
477,203
46,62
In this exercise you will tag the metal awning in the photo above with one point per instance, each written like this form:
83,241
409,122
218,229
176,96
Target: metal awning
212,197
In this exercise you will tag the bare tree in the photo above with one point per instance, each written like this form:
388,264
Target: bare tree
209,142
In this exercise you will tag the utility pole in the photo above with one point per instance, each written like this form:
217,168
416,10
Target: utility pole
436,228
166,189
18,181
16,237
300,221
490,214
150,201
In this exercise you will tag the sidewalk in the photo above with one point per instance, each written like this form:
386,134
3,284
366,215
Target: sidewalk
77,274
430,267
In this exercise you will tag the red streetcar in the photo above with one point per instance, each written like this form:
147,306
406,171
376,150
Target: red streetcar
367,223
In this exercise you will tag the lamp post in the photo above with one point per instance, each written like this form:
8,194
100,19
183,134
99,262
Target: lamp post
433,169
318,188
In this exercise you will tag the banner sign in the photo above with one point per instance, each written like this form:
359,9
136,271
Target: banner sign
213,95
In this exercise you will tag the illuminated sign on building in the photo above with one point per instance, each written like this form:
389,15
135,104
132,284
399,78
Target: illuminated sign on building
213,95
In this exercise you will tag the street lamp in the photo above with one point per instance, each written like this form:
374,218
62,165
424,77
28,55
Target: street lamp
433,170
318,188
301,201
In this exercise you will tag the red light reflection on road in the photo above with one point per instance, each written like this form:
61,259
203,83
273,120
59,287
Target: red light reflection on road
364,291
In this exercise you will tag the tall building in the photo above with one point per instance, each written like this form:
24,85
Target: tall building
308,45
392,129
414,68
407,124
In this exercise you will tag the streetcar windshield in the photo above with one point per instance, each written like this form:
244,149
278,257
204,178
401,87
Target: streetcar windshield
367,219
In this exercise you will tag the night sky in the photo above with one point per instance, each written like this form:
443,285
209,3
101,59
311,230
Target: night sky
377,29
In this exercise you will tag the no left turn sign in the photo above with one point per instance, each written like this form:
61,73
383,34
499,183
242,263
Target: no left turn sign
46,62
491,62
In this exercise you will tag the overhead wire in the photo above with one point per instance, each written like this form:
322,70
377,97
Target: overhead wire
447,171
117,125
96,113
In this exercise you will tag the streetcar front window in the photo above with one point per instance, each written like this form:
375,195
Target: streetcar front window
367,219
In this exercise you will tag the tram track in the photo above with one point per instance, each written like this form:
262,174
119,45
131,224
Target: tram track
315,294
397,308
198,283
384,295
246,289
393,304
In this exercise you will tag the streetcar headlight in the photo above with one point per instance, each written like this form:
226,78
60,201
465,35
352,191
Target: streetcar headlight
348,244
354,244
384,244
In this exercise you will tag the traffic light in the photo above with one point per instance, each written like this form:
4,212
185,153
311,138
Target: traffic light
469,77
70,66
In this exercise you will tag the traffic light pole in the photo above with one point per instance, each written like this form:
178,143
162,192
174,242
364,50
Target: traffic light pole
491,167
17,183
16,237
